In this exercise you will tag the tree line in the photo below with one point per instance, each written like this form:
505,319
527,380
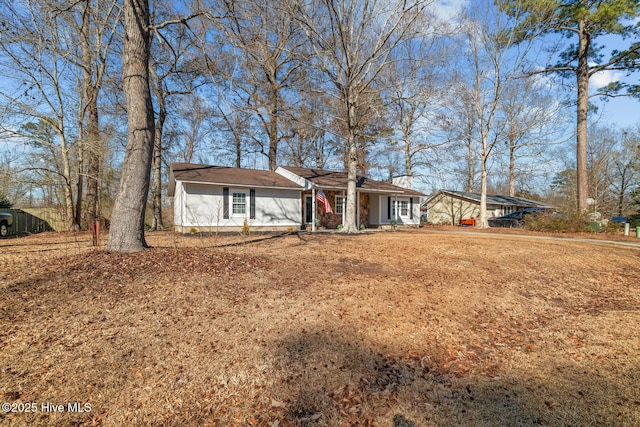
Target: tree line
98,96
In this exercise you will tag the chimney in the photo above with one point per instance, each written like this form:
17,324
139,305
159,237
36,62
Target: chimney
404,181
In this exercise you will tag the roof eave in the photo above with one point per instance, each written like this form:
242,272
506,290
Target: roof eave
235,184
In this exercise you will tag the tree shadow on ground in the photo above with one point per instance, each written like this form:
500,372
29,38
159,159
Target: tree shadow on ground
338,380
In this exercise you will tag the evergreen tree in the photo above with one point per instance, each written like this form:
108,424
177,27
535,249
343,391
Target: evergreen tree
581,22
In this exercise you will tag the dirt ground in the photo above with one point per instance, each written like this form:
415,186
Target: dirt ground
408,328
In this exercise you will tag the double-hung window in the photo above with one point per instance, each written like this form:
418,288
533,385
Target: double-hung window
404,207
340,205
239,204
401,207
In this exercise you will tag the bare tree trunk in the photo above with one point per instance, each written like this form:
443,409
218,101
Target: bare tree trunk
94,161
92,141
127,223
470,164
238,139
80,183
84,101
350,225
94,51
623,188
582,73
512,168
407,154
482,219
68,191
273,132
156,190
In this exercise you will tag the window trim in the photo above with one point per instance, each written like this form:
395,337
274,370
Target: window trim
342,205
401,208
225,203
404,208
232,203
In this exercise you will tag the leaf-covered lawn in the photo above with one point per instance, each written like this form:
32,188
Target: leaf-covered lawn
412,328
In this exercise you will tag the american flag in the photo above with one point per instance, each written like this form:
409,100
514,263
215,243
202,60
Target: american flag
323,199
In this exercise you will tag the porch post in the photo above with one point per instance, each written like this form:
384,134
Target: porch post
313,209
395,205
344,206
358,209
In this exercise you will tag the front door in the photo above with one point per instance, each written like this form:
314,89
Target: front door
308,209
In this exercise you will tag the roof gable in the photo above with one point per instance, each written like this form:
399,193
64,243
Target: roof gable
338,181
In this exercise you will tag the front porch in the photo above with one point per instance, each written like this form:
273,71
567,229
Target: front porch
373,210
335,218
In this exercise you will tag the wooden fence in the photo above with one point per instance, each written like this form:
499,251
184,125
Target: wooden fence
35,220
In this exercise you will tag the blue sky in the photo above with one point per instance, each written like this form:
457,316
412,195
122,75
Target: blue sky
622,111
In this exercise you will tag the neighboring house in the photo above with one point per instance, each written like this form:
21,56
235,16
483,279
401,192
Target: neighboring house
449,207
208,198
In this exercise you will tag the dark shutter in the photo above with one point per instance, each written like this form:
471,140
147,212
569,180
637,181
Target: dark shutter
411,207
225,202
389,208
252,203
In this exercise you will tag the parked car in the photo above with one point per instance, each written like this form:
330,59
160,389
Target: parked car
6,220
515,219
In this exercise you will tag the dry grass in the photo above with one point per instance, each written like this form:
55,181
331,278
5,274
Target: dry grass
386,329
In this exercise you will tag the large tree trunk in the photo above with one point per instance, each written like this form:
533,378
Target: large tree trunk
582,73
350,225
482,218
127,222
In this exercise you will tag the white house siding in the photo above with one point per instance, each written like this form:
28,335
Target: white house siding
275,207
178,205
201,207
379,215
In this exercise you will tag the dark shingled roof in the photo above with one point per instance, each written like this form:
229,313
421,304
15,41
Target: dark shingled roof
494,199
338,180
228,176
